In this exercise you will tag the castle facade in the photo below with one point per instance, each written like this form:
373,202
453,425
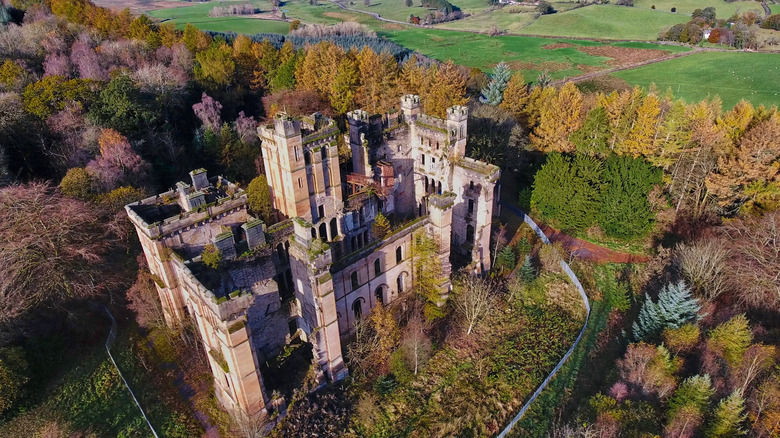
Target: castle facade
310,276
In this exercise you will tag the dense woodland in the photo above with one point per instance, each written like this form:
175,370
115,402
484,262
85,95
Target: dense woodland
100,108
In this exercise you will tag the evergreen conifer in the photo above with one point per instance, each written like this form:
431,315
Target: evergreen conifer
527,271
729,415
675,307
493,94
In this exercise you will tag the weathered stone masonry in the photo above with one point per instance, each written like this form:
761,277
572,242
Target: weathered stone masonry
319,269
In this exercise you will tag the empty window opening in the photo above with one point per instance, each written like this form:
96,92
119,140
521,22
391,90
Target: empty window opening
398,255
354,279
377,268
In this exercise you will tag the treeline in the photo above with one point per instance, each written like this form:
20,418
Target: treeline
700,358
64,83
739,31
710,157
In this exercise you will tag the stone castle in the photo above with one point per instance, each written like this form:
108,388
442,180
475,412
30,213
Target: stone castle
310,276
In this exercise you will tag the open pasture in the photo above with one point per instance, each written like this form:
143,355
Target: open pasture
730,75
530,54
607,22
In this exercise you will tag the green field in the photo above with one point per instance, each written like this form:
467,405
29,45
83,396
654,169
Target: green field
484,52
722,9
606,21
732,76
198,16
505,21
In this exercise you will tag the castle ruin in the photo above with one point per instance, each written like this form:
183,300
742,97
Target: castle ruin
310,276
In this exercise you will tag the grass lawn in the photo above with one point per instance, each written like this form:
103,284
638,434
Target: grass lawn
605,21
722,9
732,76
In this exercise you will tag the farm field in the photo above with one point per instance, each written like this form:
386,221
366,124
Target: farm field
505,21
522,53
723,9
605,21
198,16
732,76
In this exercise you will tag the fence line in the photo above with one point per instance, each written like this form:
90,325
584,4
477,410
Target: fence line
584,297
109,341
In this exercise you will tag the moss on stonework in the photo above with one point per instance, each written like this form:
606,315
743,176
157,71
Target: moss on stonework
236,327
219,358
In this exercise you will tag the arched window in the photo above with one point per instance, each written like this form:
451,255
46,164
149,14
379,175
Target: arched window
399,282
398,255
354,279
377,268
379,294
357,308
439,188
313,233
323,232
334,229
471,185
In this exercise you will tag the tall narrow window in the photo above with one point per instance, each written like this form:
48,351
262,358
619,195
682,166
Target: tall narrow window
297,153
300,183
377,268
357,308
471,206
354,279
379,294
423,159
321,211
398,255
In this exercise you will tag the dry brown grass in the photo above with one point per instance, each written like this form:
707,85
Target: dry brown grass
557,46
623,55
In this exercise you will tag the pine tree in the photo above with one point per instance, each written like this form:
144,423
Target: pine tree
380,227
625,211
729,416
506,258
675,307
527,271
593,137
493,94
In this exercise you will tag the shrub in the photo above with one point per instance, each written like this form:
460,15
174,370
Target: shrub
78,184
211,256
681,339
731,339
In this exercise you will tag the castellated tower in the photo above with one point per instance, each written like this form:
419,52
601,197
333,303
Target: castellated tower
302,283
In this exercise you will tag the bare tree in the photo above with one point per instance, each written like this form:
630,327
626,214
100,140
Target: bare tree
704,264
754,270
416,343
473,298
53,250
251,426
